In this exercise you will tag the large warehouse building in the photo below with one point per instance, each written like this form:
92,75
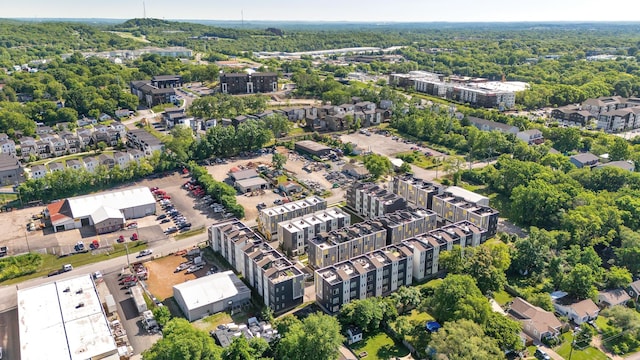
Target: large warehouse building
64,320
106,211
211,294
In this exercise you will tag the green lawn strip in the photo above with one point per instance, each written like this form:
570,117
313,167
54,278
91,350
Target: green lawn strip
420,159
502,297
602,322
53,262
190,233
589,353
379,346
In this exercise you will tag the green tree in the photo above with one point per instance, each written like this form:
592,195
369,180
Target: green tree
618,277
458,297
162,315
317,337
584,336
180,340
377,165
619,150
505,331
241,349
580,282
465,340
530,254
278,160
406,298
278,124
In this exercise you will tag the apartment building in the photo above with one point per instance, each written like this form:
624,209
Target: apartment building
374,274
269,218
7,146
271,275
243,83
372,201
343,244
416,192
404,224
451,209
295,233
142,140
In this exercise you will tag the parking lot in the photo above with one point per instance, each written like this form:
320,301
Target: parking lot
383,145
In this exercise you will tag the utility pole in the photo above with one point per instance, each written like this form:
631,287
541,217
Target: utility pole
144,10
126,246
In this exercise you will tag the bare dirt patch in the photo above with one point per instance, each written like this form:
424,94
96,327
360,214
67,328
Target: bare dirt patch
162,276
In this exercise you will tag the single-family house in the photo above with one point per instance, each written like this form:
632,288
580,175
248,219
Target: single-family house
59,146
123,113
624,165
56,166
585,159
577,311
90,163
121,159
608,298
354,334
488,125
8,146
38,171
106,160
531,137
634,290
136,155
74,164
536,322
44,149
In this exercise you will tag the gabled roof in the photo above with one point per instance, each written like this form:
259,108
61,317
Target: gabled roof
584,158
541,319
614,297
104,213
635,286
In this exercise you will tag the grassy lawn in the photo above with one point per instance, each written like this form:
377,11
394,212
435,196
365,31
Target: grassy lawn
78,156
7,198
379,346
162,107
420,159
602,323
502,297
430,283
53,262
190,233
419,316
589,353
296,131
211,322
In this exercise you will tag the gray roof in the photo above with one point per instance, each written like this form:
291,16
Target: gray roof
492,124
584,158
624,165
244,174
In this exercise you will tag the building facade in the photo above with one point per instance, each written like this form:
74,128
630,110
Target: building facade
269,218
371,200
295,233
416,192
242,83
453,209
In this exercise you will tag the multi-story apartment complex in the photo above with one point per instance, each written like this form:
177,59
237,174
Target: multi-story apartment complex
346,243
159,90
269,218
383,271
416,192
377,273
404,224
142,140
295,233
271,275
243,83
453,209
371,200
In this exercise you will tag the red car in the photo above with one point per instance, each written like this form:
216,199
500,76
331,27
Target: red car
95,244
134,237
154,188
121,238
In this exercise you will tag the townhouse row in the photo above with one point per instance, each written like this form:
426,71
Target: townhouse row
384,270
343,244
294,234
266,270
269,218
89,163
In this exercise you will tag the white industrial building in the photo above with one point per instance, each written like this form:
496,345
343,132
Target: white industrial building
64,320
106,211
211,294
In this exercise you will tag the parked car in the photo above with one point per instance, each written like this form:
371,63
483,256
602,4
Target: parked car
3,251
144,253
184,225
164,221
171,230
134,237
194,268
94,244
79,246
121,239
185,265
539,354
161,217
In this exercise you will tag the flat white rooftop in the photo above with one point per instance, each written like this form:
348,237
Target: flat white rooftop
470,196
63,320
210,289
83,206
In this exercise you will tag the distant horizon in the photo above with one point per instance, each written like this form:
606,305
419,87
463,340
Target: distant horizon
352,11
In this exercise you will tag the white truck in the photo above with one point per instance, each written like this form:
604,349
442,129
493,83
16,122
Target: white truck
138,299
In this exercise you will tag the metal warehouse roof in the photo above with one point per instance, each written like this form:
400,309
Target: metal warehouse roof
83,206
210,289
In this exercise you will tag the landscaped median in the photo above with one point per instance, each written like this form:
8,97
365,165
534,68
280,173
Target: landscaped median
15,269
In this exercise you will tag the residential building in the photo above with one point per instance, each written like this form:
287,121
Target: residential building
488,125
243,83
416,192
371,200
269,218
426,248
294,234
577,311
38,171
343,244
121,159
106,160
572,115
144,141
531,137
537,323
11,172
357,171
375,274
158,90
619,120
136,155
454,209
74,164
90,163
404,224
624,165
585,159
609,298
266,270
634,290
7,146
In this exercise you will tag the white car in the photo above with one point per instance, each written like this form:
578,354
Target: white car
145,253
194,268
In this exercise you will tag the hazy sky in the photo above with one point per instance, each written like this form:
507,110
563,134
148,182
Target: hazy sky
332,10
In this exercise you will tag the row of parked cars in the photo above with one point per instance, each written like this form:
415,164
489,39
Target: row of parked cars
199,193
181,223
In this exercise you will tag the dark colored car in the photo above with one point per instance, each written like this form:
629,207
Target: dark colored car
161,217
